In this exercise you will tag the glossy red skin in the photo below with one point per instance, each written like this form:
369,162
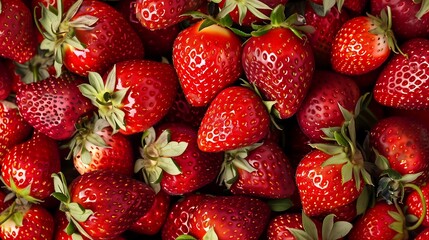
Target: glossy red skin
273,177
403,83
32,163
404,141
278,226
235,118
357,51
374,224
38,223
233,217
152,222
6,80
281,66
198,168
320,108
423,235
321,188
356,6
17,29
414,204
152,91
405,24
54,105
105,44
206,61
117,201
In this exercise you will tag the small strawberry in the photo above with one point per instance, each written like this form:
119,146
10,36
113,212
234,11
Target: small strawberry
102,204
134,95
207,59
54,105
403,82
236,118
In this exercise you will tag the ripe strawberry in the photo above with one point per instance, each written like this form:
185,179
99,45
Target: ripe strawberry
414,204
17,31
423,235
87,38
236,118
54,105
26,169
261,170
363,44
102,204
409,18
6,80
320,109
403,82
28,221
154,14
134,95
206,61
279,63
172,160
95,147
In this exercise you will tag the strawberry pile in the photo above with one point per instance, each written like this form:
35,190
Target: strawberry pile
214,119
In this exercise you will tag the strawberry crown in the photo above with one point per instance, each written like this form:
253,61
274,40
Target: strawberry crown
36,69
14,214
253,6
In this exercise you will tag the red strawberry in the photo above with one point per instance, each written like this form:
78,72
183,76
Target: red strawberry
17,31
6,80
172,160
404,81
87,37
320,108
152,222
26,169
236,118
134,94
206,61
280,64
363,44
260,170
154,14
414,204
29,221
423,235
54,105
102,204
95,147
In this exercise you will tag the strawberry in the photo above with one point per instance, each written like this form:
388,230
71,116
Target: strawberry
95,147
423,235
320,108
27,221
207,59
102,204
236,118
13,128
6,80
280,63
154,14
414,204
363,44
409,18
17,31
134,95
260,170
26,169
87,37
54,105
172,160
403,82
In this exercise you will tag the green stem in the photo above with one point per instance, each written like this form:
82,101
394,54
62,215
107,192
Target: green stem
6,214
423,200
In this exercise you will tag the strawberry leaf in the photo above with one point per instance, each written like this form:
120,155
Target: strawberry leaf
423,9
185,237
300,234
309,226
78,212
170,166
280,205
210,234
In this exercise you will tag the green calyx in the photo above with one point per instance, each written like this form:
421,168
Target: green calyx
210,235
13,216
36,69
105,98
423,9
328,4
234,160
59,30
74,212
244,6
21,193
157,157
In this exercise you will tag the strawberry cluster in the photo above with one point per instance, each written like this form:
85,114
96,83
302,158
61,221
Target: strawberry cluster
214,119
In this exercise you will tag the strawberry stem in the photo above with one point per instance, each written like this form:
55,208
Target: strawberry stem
423,9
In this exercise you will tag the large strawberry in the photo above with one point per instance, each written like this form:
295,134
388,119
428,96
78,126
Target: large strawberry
91,36
17,31
207,59
54,105
280,63
236,118
102,204
172,160
134,95
363,44
404,81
